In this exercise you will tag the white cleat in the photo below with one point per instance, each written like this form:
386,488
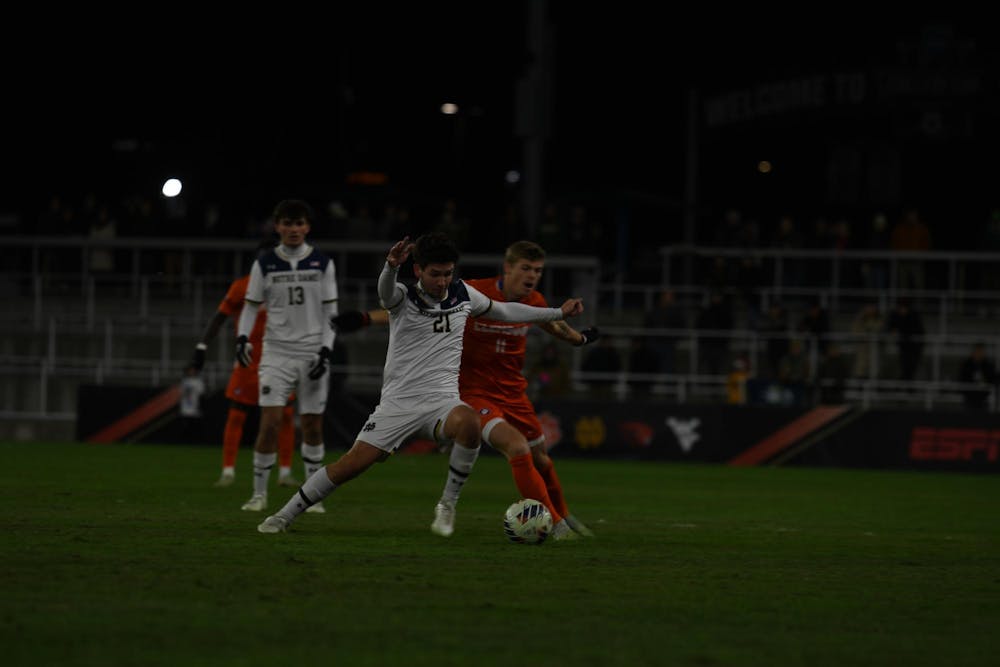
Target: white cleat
290,481
444,518
272,524
317,508
578,526
257,503
562,531
224,480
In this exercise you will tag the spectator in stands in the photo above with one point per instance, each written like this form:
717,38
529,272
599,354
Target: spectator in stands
773,327
793,372
815,323
867,328
907,326
910,234
736,381
603,358
875,272
714,322
978,369
642,360
103,228
788,237
548,376
832,374
666,314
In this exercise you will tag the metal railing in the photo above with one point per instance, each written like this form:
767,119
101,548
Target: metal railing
137,325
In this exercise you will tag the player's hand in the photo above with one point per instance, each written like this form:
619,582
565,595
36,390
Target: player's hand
318,368
399,252
590,334
198,360
572,307
350,321
244,351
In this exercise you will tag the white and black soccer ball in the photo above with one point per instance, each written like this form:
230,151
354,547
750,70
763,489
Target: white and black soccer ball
527,521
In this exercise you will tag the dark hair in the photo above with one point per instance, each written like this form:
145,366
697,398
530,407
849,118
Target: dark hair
293,209
434,248
528,250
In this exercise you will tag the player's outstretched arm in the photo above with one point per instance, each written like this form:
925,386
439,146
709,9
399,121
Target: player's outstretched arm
572,307
563,331
399,252
353,320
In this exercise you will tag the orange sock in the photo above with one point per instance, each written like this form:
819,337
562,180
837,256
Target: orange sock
231,436
554,488
286,437
531,484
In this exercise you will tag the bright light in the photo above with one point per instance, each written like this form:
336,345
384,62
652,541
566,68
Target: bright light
171,187
512,177
449,109
764,167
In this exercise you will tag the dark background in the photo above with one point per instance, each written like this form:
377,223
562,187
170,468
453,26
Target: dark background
253,108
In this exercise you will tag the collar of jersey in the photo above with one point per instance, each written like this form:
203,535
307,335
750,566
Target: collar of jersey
288,254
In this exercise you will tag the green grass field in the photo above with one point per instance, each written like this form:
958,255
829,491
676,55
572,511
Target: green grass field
126,555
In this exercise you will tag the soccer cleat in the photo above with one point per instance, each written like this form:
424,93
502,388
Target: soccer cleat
288,480
444,518
272,524
256,503
578,526
317,508
562,531
224,480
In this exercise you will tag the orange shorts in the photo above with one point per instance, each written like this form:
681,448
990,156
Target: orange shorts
242,387
519,413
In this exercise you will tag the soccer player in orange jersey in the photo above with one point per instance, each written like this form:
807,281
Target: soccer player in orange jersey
242,388
492,382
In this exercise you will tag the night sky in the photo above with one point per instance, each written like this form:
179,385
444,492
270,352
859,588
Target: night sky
251,110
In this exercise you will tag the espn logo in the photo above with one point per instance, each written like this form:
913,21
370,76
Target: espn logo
954,444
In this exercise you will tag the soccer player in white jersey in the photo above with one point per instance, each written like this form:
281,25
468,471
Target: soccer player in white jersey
298,283
420,380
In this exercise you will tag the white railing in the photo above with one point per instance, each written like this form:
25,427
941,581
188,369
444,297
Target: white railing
164,305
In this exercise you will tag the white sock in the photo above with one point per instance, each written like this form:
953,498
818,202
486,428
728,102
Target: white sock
262,464
228,471
316,488
460,464
312,457
284,471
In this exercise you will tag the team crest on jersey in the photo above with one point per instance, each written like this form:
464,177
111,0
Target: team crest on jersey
370,426
484,411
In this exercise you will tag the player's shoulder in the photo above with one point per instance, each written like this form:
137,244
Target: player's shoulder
317,259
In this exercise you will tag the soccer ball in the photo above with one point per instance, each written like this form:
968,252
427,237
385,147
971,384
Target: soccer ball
527,522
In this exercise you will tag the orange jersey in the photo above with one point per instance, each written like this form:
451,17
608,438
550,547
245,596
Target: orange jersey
493,351
242,386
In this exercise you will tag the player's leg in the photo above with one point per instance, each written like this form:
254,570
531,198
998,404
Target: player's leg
277,381
232,436
322,483
286,447
459,425
311,399
547,470
521,415
265,455
508,441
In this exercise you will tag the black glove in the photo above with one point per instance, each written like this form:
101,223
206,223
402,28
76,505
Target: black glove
244,350
590,334
319,366
198,360
352,320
